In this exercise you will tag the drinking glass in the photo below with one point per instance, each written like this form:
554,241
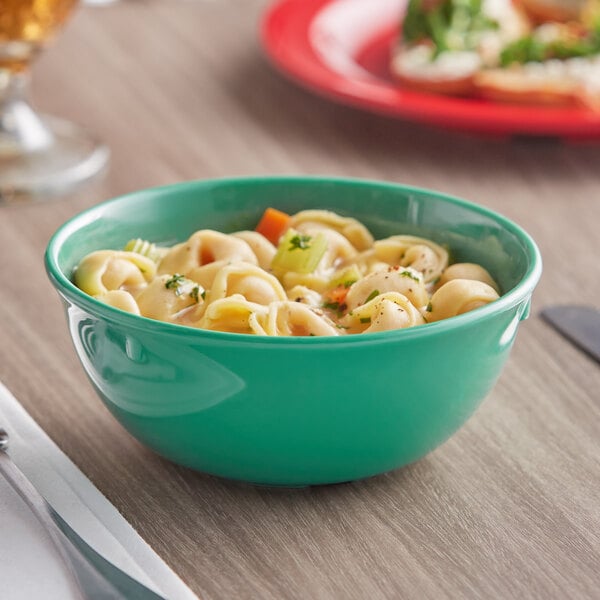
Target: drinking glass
40,156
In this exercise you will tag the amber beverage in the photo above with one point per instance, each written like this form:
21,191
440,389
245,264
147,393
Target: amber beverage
41,156
26,26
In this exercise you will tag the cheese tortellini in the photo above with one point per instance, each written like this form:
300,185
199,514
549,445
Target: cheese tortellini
315,273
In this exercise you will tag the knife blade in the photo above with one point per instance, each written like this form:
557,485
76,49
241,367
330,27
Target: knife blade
95,576
579,324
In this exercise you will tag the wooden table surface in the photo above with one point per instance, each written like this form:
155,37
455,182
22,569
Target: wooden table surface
508,508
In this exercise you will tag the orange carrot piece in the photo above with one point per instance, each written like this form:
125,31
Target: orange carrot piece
337,295
273,224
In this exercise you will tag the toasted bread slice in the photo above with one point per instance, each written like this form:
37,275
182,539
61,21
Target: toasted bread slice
451,73
518,86
553,10
558,64
570,82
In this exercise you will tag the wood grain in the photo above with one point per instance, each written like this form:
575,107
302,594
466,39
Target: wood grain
508,508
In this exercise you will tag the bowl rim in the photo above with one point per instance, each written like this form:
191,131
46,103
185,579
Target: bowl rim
69,291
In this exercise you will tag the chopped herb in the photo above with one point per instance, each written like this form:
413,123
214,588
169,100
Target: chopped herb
372,295
338,307
409,274
174,282
180,285
365,319
203,294
429,307
300,242
531,48
448,25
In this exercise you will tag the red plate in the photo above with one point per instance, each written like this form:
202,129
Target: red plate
341,48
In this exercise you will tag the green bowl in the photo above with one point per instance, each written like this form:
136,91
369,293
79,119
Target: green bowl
294,411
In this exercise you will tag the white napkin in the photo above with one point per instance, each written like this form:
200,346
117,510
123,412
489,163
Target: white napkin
29,565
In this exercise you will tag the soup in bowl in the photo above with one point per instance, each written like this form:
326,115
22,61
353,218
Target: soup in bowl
272,401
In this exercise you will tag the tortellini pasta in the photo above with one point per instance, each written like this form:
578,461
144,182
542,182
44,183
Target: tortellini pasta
107,270
296,319
234,314
317,274
406,281
415,252
459,296
390,310
247,280
467,271
205,247
263,249
354,231
166,296
120,299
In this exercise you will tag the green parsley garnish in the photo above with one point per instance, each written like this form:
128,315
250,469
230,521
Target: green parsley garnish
180,285
365,319
530,49
300,242
409,274
338,307
174,282
448,24
372,295
429,307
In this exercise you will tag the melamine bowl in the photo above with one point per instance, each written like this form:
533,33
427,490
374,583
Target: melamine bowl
294,411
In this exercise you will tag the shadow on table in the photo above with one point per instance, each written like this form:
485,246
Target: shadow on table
198,482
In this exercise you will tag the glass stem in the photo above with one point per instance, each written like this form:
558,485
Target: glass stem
21,129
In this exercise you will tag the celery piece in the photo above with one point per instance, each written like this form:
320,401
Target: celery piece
345,277
145,248
298,252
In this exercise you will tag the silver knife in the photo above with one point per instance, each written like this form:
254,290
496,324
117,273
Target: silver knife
94,576
579,324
